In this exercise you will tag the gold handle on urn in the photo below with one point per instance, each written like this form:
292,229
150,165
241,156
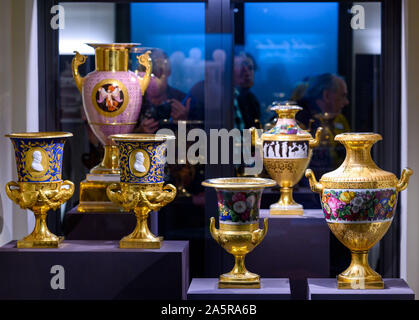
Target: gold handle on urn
404,179
78,60
145,60
259,234
313,143
167,195
24,200
215,233
314,185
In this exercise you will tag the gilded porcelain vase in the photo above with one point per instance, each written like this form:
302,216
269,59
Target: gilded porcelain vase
142,159
359,201
239,233
39,157
287,150
112,98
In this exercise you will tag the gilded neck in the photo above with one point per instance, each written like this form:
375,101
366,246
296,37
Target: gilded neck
111,59
358,148
286,110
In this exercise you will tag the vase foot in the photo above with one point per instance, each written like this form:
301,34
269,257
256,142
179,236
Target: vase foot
360,283
246,280
293,209
132,243
30,242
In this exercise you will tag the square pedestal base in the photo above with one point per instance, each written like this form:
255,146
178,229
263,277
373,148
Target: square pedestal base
140,243
286,212
270,289
326,289
28,244
93,197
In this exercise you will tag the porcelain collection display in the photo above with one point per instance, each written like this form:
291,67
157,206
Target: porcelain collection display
112,98
238,233
142,160
39,188
359,201
287,150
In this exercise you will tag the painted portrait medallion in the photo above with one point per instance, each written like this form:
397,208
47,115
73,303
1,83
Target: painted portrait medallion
110,97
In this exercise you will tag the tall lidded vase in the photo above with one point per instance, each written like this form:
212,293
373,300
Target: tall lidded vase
112,97
287,150
359,201
39,157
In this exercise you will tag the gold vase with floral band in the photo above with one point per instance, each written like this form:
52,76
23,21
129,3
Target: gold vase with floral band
287,150
239,233
142,160
359,201
39,187
112,98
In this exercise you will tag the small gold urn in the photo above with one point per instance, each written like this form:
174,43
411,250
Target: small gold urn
287,150
359,201
39,157
239,233
142,160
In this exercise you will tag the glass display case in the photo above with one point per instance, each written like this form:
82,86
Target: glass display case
221,64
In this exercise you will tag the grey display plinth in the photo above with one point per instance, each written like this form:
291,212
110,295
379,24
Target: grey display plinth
270,289
326,289
94,270
295,247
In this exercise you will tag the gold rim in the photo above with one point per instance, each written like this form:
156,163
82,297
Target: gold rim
113,124
141,137
113,45
285,106
286,137
37,135
358,136
239,183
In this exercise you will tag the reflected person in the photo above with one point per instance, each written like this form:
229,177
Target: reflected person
323,102
246,105
161,103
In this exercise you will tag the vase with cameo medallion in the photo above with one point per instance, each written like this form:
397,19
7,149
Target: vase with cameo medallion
39,157
142,159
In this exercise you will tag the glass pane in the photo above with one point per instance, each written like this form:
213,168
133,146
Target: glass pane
174,98
326,59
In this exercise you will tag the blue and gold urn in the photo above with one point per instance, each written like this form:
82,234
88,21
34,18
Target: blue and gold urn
239,233
39,157
142,159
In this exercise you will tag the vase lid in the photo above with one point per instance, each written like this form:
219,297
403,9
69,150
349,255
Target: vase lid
286,128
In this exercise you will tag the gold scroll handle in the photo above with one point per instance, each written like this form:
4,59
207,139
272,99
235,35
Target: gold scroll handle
318,187
145,60
135,198
48,196
313,143
257,235
78,60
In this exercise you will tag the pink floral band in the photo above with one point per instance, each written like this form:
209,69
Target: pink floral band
360,205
